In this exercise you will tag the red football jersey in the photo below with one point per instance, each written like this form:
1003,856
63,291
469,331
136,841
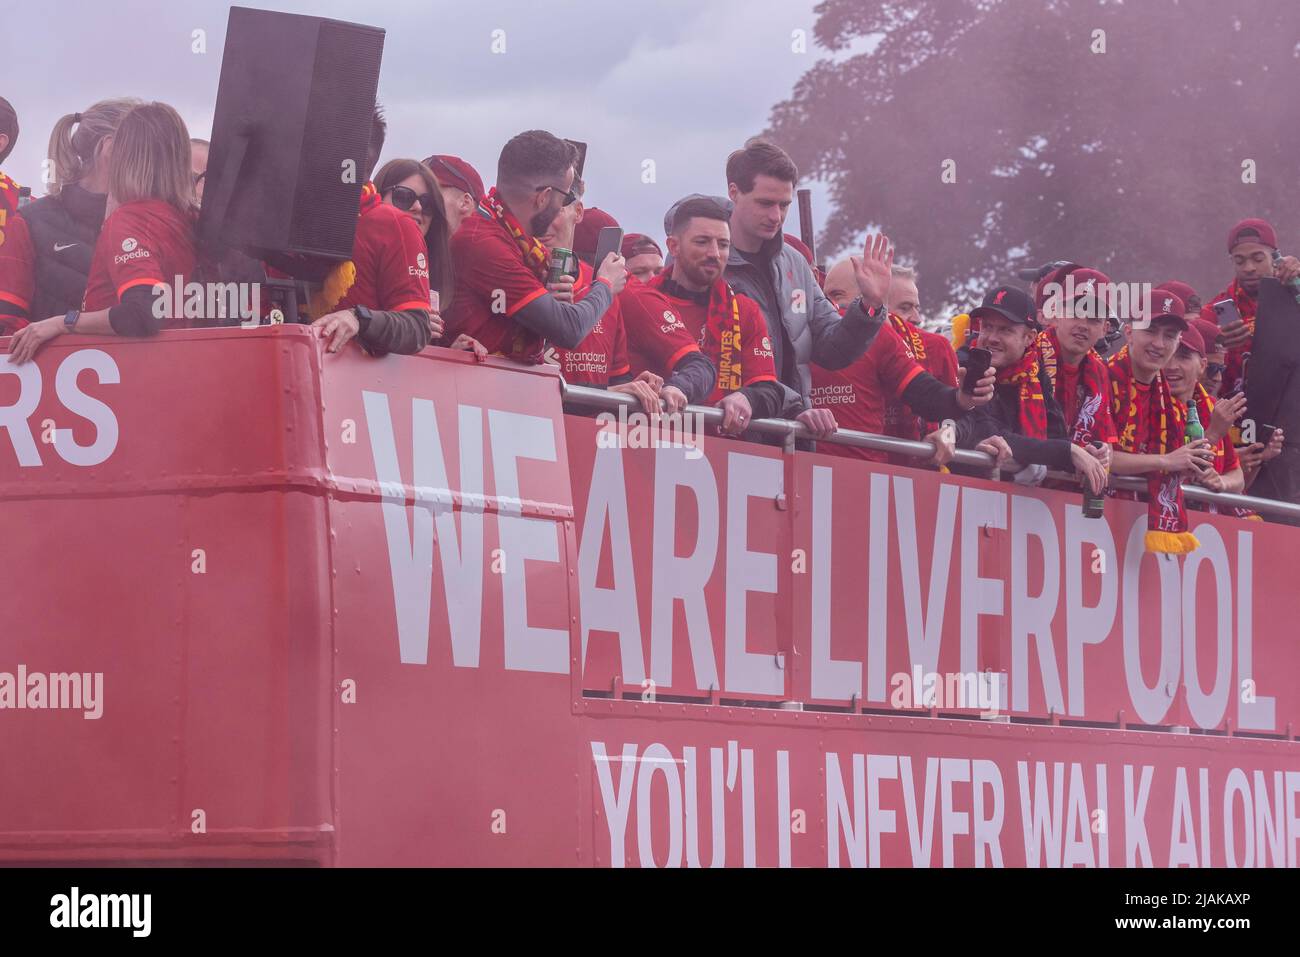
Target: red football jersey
144,243
492,284
755,348
941,362
391,261
603,354
657,339
17,273
857,394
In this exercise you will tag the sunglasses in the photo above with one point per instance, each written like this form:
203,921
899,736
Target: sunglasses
403,197
570,197
1215,368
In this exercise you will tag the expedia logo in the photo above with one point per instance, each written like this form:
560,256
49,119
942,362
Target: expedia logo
130,251
421,261
671,322
767,343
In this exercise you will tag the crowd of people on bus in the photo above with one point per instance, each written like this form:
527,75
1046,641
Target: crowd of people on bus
728,310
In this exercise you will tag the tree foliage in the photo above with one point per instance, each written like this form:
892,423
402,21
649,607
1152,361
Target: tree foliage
1129,160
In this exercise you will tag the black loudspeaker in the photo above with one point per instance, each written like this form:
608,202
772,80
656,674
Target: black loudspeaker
290,134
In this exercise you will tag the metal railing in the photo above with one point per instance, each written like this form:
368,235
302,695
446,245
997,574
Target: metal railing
789,431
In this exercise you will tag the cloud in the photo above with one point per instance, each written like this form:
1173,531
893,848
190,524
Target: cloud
679,82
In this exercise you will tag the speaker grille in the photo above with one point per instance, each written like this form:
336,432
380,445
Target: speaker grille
345,79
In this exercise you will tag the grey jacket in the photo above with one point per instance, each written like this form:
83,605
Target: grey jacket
815,328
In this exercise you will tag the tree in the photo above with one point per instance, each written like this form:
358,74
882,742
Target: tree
1112,134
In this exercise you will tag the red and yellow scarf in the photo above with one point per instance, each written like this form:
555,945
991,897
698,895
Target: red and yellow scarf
911,337
8,195
1033,407
1155,426
1092,380
536,258
722,314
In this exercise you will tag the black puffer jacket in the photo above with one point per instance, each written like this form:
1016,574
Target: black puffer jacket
63,230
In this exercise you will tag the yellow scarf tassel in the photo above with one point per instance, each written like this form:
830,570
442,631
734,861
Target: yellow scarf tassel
1172,543
333,289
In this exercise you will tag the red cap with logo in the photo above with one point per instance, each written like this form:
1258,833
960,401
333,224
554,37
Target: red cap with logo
1165,305
1262,230
1057,276
1179,288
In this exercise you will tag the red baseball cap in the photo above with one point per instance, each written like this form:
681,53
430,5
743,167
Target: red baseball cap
1165,305
1193,339
455,172
1057,275
1264,233
637,244
1209,333
587,233
1179,288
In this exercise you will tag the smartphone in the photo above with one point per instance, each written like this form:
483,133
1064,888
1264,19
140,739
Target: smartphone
976,366
608,240
1264,433
1226,311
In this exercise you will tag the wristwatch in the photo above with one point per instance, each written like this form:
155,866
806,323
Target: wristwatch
70,320
364,316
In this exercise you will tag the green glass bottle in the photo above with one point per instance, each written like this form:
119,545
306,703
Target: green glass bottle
1194,429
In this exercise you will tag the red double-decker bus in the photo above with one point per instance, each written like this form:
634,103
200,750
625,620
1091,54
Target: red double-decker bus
273,605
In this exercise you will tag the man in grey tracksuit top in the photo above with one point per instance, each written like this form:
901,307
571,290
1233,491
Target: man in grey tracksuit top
803,324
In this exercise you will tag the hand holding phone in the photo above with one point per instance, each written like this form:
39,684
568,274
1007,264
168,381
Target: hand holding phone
976,366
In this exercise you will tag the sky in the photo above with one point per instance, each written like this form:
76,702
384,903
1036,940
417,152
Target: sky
679,83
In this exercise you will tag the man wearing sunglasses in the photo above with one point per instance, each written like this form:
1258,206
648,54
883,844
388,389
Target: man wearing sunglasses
501,264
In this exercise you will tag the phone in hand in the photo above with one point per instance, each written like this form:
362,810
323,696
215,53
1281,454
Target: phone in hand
608,240
976,366
1264,433
1225,310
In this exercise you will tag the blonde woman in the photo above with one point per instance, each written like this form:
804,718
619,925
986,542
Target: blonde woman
147,239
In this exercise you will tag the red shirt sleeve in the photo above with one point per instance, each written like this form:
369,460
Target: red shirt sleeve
1225,458
17,272
618,359
759,366
483,267
894,366
656,336
134,253
403,268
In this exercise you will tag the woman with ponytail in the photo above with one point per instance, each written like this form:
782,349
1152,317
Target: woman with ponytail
64,224
147,239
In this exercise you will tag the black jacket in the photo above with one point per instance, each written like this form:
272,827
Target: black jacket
1001,417
64,229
